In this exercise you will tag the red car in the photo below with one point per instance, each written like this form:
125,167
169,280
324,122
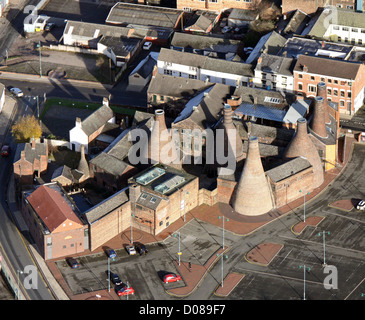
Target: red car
124,290
171,277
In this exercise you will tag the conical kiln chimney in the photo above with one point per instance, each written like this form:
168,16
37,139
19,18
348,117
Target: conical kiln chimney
301,145
252,196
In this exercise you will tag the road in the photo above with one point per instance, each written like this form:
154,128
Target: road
13,242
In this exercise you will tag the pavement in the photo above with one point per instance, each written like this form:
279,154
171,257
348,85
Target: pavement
192,276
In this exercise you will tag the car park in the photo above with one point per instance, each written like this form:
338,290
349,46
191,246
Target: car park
141,249
125,290
72,262
17,92
5,150
361,205
171,277
131,250
147,45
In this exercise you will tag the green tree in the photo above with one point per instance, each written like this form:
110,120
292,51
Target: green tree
26,128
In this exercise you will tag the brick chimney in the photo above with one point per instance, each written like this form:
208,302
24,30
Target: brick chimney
78,122
318,124
305,68
252,196
301,145
322,92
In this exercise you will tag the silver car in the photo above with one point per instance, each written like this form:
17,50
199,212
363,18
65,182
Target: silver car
17,92
361,205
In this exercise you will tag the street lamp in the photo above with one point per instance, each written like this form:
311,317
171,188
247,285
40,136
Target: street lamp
40,59
179,252
223,256
324,245
17,290
132,215
305,193
224,219
304,269
108,274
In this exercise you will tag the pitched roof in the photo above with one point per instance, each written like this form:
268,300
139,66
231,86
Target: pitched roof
203,62
276,64
288,169
328,67
52,207
97,119
106,206
341,17
143,15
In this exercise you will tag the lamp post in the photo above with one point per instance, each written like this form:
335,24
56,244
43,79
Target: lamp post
108,274
132,215
305,193
304,270
324,244
179,252
17,290
222,256
40,59
224,219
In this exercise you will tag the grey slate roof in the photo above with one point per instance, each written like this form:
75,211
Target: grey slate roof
120,46
328,67
109,163
106,206
276,64
288,169
203,62
206,43
340,17
97,119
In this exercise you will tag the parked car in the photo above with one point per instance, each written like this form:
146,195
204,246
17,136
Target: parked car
227,29
131,250
125,290
17,92
73,263
171,277
141,249
111,253
361,205
115,278
5,150
147,45
49,26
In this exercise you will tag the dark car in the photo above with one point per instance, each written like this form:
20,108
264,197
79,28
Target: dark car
5,150
111,253
141,249
115,278
49,26
73,263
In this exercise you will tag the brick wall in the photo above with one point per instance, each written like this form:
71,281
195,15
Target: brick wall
225,189
216,6
310,6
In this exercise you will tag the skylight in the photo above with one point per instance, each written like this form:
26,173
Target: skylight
169,184
150,176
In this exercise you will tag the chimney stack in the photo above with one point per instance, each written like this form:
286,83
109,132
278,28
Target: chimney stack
161,148
78,122
105,101
83,165
318,124
322,92
252,196
229,130
301,145
305,68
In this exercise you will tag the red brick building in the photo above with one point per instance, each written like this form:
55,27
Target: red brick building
345,81
216,5
53,223
32,161
311,6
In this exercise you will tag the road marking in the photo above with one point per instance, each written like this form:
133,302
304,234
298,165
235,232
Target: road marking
355,288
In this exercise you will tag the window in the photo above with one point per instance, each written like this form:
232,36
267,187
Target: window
300,76
335,81
339,39
312,88
153,199
144,196
312,78
285,79
335,92
342,103
300,86
342,93
336,28
359,41
329,80
162,98
354,30
345,29
346,39
168,72
362,30
161,223
329,92
223,81
348,94
192,76
263,75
